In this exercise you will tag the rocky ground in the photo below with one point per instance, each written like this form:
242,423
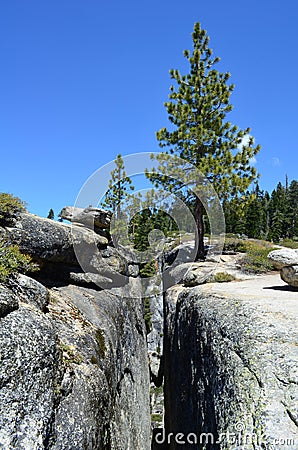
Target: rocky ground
236,345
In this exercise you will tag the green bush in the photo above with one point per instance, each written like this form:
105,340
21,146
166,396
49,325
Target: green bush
10,208
148,269
289,243
235,245
222,277
255,260
156,418
12,260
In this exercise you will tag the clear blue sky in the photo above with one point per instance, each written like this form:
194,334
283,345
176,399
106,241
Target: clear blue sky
83,80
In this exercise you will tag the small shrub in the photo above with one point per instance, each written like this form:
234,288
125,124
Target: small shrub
148,269
289,243
255,260
156,418
10,208
157,390
70,356
222,277
12,260
235,245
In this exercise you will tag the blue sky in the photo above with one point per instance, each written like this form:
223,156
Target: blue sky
84,80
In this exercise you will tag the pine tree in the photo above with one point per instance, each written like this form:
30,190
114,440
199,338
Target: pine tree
256,215
51,214
116,198
118,189
277,212
152,215
235,214
277,225
200,133
292,209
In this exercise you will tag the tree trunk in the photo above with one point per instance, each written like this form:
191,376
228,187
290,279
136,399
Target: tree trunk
198,214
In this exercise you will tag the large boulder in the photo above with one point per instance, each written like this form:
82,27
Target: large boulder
90,217
283,257
191,273
47,240
289,274
74,363
183,253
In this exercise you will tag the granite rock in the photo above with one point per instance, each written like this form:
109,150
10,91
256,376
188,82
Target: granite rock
283,257
289,274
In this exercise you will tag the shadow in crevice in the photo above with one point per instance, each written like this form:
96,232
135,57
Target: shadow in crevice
285,288
191,386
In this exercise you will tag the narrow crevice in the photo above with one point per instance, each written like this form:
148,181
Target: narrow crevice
292,417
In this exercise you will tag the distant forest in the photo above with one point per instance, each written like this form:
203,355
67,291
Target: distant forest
256,214
261,215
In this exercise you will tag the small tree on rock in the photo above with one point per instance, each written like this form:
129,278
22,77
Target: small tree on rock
117,194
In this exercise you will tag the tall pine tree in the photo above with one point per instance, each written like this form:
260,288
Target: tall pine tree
199,132
292,209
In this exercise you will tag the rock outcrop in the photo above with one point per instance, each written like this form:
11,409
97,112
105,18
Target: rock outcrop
74,370
91,217
231,361
55,246
74,365
286,260
289,274
50,241
283,257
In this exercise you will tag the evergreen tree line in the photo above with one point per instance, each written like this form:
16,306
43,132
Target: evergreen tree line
265,216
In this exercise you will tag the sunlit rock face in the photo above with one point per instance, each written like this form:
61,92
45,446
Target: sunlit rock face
286,260
74,365
231,361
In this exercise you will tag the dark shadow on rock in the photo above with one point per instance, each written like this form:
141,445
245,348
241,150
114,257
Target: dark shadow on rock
285,288
53,274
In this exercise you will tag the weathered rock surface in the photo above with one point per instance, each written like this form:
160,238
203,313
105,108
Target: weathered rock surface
30,291
231,359
192,274
77,376
286,260
183,253
90,217
8,301
289,274
283,257
74,365
67,253
47,240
